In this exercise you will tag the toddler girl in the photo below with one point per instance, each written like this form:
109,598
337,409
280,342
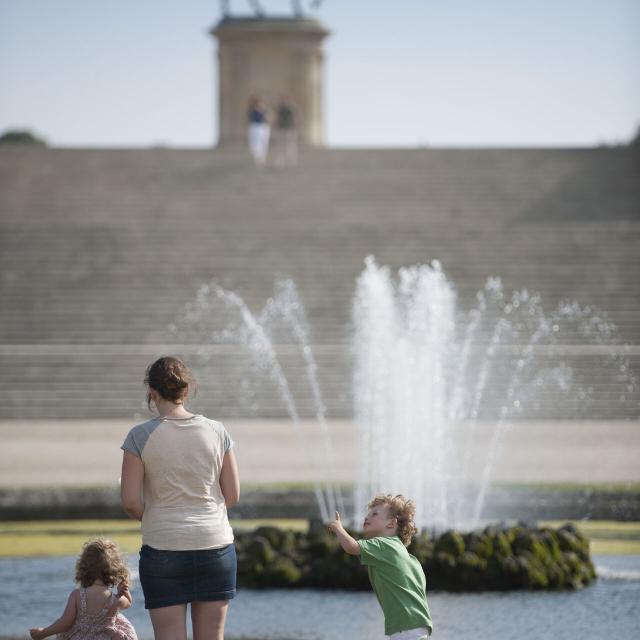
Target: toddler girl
92,611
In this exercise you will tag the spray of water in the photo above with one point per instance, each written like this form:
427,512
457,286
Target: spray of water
403,337
283,312
425,377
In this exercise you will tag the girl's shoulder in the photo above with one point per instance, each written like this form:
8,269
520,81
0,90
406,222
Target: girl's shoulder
75,598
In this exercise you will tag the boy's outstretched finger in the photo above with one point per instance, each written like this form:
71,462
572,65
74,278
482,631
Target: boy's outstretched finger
338,516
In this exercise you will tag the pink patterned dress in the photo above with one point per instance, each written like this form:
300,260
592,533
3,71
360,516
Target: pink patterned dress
106,624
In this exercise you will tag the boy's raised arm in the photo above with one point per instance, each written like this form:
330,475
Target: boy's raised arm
348,543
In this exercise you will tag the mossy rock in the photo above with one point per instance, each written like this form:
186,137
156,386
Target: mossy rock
540,551
422,547
282,572
550,540
260,551
570,539
497,558
587,573
494,577
501,544
441,571
510,572
273,535
479,544
557,576
320,544
532,572
451,543
337,570
536,543
470,571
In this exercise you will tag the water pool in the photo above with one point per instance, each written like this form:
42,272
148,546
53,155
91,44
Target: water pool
33,592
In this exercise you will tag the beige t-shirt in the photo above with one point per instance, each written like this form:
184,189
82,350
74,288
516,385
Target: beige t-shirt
184,508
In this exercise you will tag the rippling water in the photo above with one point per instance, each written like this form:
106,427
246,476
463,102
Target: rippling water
33,592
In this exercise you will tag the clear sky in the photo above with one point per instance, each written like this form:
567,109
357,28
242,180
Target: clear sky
398,73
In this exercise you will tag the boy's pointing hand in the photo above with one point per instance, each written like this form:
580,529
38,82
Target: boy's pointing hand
344,539
335,525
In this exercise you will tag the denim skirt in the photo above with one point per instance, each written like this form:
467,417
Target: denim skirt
177,577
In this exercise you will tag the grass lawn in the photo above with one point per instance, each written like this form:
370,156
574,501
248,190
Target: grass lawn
609,537
66,537
54,538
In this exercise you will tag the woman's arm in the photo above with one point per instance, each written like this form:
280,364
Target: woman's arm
131,485
229,479
63,623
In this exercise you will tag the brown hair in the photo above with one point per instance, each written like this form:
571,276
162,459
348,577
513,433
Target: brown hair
170,377
402,510
101,559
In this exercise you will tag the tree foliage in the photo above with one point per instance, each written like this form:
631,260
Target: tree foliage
22,137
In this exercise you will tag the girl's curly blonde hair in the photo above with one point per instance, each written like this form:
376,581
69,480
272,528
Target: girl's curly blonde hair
402,510
101,559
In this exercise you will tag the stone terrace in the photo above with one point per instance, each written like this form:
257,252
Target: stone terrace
100,249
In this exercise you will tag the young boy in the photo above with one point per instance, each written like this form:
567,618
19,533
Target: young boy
396,576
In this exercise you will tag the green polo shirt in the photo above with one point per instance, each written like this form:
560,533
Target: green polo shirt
399,583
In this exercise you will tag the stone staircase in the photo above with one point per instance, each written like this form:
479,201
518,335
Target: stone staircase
101,249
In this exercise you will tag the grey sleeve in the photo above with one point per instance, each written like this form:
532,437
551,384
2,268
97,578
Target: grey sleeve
135,441
227,442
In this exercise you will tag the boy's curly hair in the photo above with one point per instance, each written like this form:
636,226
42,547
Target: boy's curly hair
101,559
402,510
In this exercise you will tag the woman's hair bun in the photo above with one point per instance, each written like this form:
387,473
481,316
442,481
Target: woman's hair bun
170,377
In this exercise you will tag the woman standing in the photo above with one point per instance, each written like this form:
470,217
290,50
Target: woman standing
179,476
259,131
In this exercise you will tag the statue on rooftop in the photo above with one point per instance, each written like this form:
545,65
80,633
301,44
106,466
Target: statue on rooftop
296,6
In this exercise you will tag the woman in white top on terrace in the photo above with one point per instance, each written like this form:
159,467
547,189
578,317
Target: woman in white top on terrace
179,475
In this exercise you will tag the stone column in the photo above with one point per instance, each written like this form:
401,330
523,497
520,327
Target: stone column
269,58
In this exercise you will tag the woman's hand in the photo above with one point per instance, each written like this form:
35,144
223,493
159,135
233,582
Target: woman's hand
36,633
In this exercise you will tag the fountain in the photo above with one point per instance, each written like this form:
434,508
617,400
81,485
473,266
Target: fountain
283,313
425,375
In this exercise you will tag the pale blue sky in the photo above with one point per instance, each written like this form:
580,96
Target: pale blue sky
398,73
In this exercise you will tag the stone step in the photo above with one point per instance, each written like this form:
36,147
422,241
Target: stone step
88,239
